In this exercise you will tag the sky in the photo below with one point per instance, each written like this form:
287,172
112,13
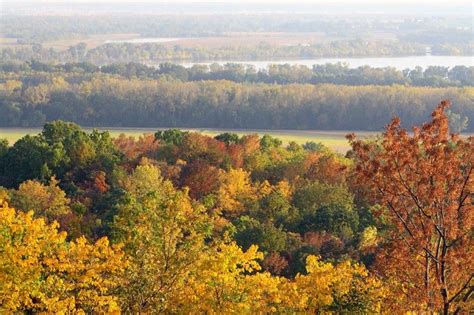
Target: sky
423,7
447,2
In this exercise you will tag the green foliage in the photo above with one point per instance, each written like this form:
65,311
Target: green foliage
171,136
314,146
63,150
268,238
3,147
29,158
228,138
338,221
324,207
316,195
274,208
60,131
267,142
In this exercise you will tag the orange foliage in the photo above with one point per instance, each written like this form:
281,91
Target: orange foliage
236,154
425,181
99,182
250,143
197,146
325,168
145,146
275,263
201,178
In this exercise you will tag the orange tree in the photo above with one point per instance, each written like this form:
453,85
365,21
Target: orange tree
424,181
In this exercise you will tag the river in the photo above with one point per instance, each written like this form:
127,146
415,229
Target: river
399,63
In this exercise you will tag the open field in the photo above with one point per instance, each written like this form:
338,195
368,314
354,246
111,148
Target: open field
225,40
335,140
9,42
252,39
92,41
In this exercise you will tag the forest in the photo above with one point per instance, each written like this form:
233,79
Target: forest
201,157
178,222
336,73
172,96
36,36
156,53
39,28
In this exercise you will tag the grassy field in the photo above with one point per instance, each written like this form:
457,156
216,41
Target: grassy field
332,139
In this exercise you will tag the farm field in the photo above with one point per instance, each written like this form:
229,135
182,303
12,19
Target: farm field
335,140
226,39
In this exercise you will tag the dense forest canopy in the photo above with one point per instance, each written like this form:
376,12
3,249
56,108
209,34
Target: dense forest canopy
172,96
178,221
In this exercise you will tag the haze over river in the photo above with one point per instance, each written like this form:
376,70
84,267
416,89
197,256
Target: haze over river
399,63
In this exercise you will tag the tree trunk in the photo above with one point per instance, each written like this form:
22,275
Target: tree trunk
444,289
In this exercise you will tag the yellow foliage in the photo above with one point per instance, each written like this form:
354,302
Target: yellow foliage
235,189
49,201
159,227
226,280
41,272
8,88
285,188
368,237
335,287
264,189
169,267
4,195
41,93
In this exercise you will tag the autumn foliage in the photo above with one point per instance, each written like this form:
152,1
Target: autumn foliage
180,222
41,272
425,182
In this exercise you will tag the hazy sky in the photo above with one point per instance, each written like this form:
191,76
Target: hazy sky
410,7
379,2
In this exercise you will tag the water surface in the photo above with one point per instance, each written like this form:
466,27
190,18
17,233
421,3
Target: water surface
399,63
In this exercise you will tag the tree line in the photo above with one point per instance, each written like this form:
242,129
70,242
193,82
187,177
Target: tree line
338,73
178,222
37,29
98,99
156,52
